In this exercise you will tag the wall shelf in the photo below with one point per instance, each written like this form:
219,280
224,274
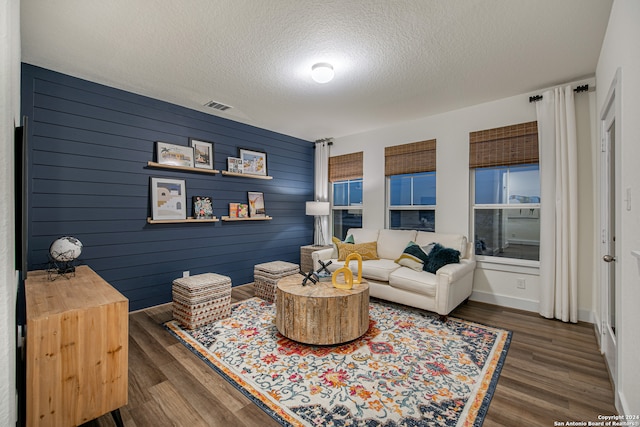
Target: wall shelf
189,220
246,175
228,218
182,168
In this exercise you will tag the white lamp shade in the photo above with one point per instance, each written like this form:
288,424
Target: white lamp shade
318,208
322,72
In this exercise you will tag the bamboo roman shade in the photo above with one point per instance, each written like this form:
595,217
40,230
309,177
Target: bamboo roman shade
414,157
508,145
347,166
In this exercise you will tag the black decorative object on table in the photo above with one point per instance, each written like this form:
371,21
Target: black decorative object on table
323,267
307,276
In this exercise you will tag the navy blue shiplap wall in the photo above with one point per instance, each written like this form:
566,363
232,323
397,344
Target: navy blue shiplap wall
88,178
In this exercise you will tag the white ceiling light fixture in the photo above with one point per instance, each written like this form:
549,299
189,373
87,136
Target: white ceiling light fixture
322,72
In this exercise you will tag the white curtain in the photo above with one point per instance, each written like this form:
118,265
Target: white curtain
321,179
559,205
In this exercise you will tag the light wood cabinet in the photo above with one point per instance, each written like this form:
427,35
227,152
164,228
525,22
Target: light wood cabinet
77,348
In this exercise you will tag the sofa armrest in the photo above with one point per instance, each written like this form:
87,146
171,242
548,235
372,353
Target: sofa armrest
453,272
321,255
454,285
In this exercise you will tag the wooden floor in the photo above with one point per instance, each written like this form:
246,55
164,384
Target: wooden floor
553,372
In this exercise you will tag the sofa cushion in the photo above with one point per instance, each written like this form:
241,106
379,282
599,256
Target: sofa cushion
334,240
455,241
391,243
413,257
361,235
441,256
420,282
366,250
379,269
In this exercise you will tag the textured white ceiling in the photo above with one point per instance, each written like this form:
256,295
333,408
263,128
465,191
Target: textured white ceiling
394,60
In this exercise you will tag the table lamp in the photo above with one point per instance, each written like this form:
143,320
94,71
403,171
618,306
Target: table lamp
318,210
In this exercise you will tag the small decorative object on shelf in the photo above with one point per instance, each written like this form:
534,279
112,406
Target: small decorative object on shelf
202,153
238,210
253,162
256,204
233,210
168,198
202,207
234,164
176,155
62,254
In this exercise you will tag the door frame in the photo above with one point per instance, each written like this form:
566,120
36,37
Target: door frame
610,345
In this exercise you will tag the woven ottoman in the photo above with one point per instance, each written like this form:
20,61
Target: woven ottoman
201,299
266,276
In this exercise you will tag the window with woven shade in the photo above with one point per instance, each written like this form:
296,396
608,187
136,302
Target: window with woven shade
411,185
505,186
345,175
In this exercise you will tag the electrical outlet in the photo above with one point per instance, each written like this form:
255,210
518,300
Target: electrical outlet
185,273
521,283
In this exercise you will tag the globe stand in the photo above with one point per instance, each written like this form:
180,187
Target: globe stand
56,269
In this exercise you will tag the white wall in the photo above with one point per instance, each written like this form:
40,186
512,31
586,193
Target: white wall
451,130
9,115
621,49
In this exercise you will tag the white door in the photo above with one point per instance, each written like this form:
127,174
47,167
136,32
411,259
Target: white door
609,202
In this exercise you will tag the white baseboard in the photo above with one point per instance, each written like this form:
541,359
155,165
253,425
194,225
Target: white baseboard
504,301
522,304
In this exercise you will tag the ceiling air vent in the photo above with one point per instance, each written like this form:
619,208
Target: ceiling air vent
217,106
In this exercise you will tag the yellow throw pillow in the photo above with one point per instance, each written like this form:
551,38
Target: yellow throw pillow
367,250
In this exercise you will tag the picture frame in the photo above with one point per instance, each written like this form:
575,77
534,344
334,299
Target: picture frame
203,155
174,155
243,210
234,164
168,198
256,204
202,207
233,210
253,162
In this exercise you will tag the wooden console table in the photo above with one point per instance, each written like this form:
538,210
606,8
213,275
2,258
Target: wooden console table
77,348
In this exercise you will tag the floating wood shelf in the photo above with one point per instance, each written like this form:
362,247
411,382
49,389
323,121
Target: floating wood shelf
190,220
182,168
246,175
228,218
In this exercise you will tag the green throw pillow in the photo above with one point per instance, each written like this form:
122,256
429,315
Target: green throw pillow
439,257
413,257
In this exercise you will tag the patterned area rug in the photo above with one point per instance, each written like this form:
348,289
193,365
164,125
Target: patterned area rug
409,369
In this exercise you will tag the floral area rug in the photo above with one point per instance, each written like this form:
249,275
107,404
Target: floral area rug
409,369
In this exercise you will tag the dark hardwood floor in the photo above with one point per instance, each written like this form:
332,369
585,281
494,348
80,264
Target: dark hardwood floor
553,372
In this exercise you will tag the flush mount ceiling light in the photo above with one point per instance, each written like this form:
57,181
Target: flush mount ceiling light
322,72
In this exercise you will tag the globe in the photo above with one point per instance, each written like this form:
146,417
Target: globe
65,249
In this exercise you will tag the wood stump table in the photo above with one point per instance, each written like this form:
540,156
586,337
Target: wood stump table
319,313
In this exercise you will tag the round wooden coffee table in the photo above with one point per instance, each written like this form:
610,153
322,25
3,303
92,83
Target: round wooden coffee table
319,313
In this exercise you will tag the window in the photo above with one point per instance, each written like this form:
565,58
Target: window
507,212
345,174
505,188
346,206
411,185
411,201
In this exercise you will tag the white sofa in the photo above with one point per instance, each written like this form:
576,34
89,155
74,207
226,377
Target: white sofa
440,292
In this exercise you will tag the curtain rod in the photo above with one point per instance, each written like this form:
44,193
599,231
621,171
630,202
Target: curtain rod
578,89
329,141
